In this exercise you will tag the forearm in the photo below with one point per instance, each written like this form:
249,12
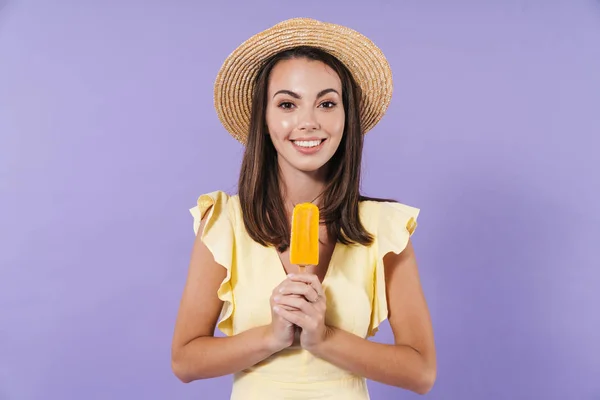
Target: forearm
396,365
209,357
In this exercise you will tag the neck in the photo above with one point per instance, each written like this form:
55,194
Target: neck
300,187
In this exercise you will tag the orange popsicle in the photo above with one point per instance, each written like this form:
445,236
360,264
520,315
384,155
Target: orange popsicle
304,241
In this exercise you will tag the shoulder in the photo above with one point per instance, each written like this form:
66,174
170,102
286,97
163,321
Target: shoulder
215,206
392,224
389,217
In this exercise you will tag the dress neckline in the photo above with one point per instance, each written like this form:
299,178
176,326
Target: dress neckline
281,267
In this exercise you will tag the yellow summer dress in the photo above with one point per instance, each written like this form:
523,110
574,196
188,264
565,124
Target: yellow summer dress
354,287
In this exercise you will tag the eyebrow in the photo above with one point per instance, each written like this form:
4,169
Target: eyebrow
297,96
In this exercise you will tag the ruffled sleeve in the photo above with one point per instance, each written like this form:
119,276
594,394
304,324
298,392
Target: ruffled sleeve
397,223
218,236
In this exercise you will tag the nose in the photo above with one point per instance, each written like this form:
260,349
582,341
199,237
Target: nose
308,122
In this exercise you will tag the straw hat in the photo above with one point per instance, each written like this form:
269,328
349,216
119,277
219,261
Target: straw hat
365,61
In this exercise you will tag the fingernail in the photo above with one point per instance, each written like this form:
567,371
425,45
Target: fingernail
277,298
291,275
276,308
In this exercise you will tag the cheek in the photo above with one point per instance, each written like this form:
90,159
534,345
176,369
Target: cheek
279,124
335,124
286,124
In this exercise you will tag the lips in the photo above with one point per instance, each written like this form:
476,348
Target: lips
308,146
308,143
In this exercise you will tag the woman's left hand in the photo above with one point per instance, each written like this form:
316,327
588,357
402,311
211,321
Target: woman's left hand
306,296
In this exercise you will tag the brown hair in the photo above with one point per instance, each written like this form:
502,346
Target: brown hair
263,209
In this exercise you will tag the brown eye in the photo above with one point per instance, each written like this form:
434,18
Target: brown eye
285,105
328,104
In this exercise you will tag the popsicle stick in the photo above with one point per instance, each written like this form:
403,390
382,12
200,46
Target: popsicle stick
302,269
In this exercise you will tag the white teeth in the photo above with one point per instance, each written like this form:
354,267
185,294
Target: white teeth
307,143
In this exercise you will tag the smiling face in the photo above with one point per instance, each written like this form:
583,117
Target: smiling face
304,113
305,122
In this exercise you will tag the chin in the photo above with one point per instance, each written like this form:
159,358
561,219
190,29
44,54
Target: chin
308,165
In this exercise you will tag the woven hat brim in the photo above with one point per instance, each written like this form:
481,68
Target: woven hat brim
365,61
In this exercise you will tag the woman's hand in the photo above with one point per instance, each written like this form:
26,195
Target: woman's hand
280,331
301,301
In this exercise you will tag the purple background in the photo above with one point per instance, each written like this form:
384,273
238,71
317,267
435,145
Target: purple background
108,135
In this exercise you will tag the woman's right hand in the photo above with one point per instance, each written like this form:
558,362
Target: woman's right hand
281,331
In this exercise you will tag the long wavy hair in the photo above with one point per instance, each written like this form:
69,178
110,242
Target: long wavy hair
263,210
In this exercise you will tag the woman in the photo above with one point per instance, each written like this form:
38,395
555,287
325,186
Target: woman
300,96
